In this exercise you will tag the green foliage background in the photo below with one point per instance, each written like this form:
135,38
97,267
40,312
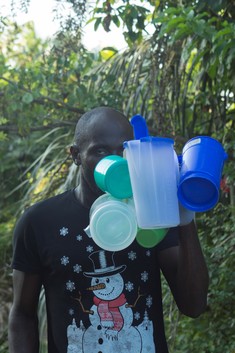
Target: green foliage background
180,76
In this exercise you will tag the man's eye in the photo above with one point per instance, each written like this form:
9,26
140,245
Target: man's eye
101,151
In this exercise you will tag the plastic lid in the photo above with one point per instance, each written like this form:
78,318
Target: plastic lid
112,175
101,200
157,139
117,180
149,238
113,226
198,193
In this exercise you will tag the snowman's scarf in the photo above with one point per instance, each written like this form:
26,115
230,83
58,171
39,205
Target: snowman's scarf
109,311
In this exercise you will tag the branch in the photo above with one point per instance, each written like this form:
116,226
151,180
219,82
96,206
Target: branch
14,128
42,99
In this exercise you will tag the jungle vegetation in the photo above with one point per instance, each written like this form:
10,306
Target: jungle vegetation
179,74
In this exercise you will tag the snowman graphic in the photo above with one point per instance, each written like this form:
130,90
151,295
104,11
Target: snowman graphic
111,317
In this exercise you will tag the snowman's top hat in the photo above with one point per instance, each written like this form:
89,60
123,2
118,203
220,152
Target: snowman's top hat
103,264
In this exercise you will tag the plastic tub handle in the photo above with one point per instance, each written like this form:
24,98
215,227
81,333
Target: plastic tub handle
139,126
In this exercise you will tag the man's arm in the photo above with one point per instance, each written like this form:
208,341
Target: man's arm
185,270
23,320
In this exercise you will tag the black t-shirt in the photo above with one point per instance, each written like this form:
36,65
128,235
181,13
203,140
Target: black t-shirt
97,301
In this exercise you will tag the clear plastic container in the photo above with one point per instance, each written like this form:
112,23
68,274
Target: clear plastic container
113,224
152,167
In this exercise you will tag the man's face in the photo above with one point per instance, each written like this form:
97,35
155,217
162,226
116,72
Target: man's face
105,137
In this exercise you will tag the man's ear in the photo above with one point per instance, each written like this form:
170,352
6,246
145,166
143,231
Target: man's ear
74,150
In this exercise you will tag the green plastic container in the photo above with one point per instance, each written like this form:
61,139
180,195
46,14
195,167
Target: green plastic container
148,238
112,175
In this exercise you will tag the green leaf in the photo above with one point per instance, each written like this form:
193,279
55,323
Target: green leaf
181,32
212,70
190,15
116,20
97,23
199,27
174,23
140,22
3,120
3,136
223,33
90,20
27,98
132,11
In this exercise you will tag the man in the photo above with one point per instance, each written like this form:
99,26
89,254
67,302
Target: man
97,301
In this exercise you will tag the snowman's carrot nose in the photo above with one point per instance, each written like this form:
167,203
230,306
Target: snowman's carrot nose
97,286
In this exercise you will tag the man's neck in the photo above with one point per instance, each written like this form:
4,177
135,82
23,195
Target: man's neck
86,197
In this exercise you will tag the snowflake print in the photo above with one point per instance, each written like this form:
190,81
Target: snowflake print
89,248
149,301
132,255
70,286
77,268
64,231
64,260
71,312
137,316
129,286
144,276
148,253
79,237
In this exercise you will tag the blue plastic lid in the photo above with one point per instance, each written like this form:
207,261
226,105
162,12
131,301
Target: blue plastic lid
157,139
198,193
151,139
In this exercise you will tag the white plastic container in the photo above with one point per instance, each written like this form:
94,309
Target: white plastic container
113,224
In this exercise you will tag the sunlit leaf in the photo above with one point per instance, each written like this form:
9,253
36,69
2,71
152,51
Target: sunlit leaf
107,53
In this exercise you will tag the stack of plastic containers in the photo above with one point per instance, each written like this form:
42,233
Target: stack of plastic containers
151,189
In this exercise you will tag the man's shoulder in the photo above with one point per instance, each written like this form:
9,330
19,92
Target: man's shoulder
50,205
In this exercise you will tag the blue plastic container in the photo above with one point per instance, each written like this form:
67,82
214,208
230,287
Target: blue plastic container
201,170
